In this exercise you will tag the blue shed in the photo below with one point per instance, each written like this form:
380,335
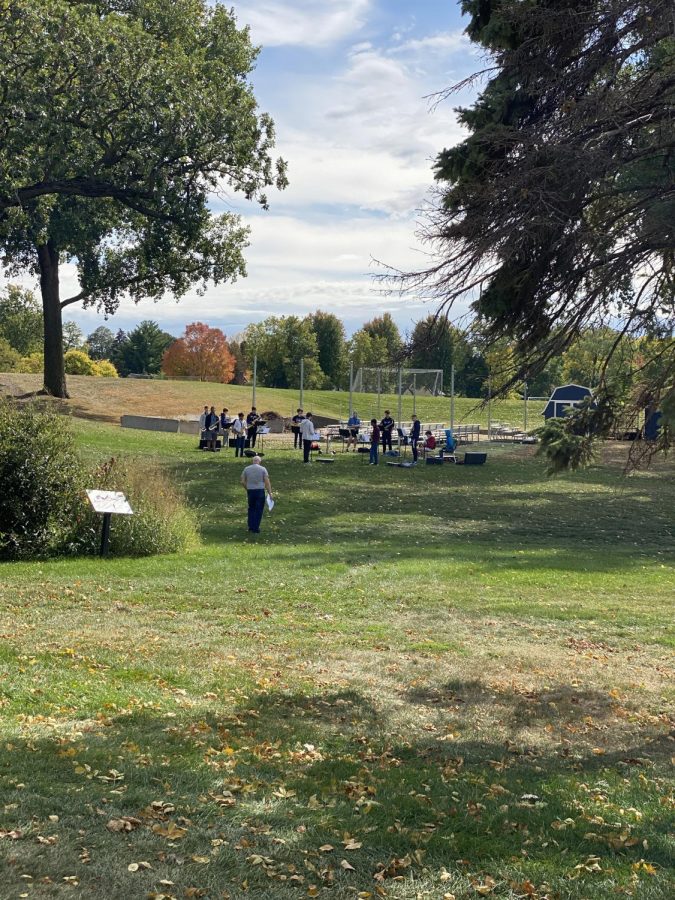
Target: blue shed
565,398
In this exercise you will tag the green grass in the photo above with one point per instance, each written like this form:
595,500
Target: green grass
388,670
108,399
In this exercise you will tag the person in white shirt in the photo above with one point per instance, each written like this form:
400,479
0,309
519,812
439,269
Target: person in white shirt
239,429
307,430
255,480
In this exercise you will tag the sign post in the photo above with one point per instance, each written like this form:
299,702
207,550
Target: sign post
108,503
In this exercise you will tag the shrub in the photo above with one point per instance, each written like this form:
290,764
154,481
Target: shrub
41,482
77,362
9,358
105,369
33,364
162,522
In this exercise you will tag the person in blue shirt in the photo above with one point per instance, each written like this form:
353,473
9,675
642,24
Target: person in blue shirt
415,437
353,425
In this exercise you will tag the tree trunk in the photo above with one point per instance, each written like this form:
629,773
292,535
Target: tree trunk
54,371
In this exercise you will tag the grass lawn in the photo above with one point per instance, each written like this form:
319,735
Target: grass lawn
428,683
106,399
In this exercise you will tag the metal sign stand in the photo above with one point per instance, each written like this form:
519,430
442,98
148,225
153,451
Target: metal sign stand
108,503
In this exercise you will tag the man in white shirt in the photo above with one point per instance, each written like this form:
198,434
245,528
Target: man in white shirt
255,479
239,429
307,430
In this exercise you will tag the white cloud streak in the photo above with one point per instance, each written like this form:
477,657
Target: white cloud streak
310,23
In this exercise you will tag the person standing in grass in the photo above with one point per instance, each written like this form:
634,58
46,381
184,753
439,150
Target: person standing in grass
252,422
296,421
374,442
353,425
386,426
256,480
415,437
307,432
239,429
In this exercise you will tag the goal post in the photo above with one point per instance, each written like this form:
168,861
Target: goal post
400,383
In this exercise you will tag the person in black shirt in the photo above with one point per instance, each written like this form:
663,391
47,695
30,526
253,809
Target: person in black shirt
415,437
295,428
225,425
386,427
252,423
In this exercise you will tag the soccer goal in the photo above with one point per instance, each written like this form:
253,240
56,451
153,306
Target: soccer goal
386,383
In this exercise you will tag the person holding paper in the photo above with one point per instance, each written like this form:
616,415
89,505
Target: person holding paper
256,480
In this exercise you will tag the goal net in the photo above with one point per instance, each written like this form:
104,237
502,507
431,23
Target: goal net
413,382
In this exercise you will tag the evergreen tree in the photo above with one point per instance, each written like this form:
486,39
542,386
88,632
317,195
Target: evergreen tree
558,210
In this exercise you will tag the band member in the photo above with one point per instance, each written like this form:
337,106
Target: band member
374,441
239,429
353,425
295,428
210,433
252,422
415,437
386,426
307,433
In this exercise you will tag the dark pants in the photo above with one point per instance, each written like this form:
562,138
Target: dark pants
415,450
386,440
373,453
239,442
256,505
297,438
252,435
306,447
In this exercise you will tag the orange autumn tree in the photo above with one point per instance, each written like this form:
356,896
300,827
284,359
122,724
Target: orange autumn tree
202,352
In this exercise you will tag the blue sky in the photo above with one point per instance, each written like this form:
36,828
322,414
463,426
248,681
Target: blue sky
348,84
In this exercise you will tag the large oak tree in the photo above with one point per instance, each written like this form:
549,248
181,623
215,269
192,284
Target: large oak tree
119,122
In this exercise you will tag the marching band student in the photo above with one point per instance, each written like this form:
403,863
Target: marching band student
414,437
211,423
353,425
374,442
239,429
252,422
387,426
295,428
225,425
307,432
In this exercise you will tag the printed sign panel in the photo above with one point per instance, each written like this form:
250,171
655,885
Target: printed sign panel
110,502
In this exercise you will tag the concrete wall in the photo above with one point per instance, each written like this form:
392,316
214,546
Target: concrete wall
150,423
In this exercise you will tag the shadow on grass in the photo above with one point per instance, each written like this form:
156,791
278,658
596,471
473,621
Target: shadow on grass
241,798
470,515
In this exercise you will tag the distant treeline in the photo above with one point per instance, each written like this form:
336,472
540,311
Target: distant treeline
319,339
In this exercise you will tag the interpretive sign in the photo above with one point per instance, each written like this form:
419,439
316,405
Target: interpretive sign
108,503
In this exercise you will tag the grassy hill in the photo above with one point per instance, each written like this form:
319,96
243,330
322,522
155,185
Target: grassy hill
428,683
107,399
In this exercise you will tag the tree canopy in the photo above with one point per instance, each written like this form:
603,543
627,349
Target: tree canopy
201,352
557,212
119,120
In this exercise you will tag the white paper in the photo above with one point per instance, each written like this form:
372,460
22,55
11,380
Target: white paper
270,503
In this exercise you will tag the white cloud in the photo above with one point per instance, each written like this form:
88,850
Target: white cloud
441,42
310,23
